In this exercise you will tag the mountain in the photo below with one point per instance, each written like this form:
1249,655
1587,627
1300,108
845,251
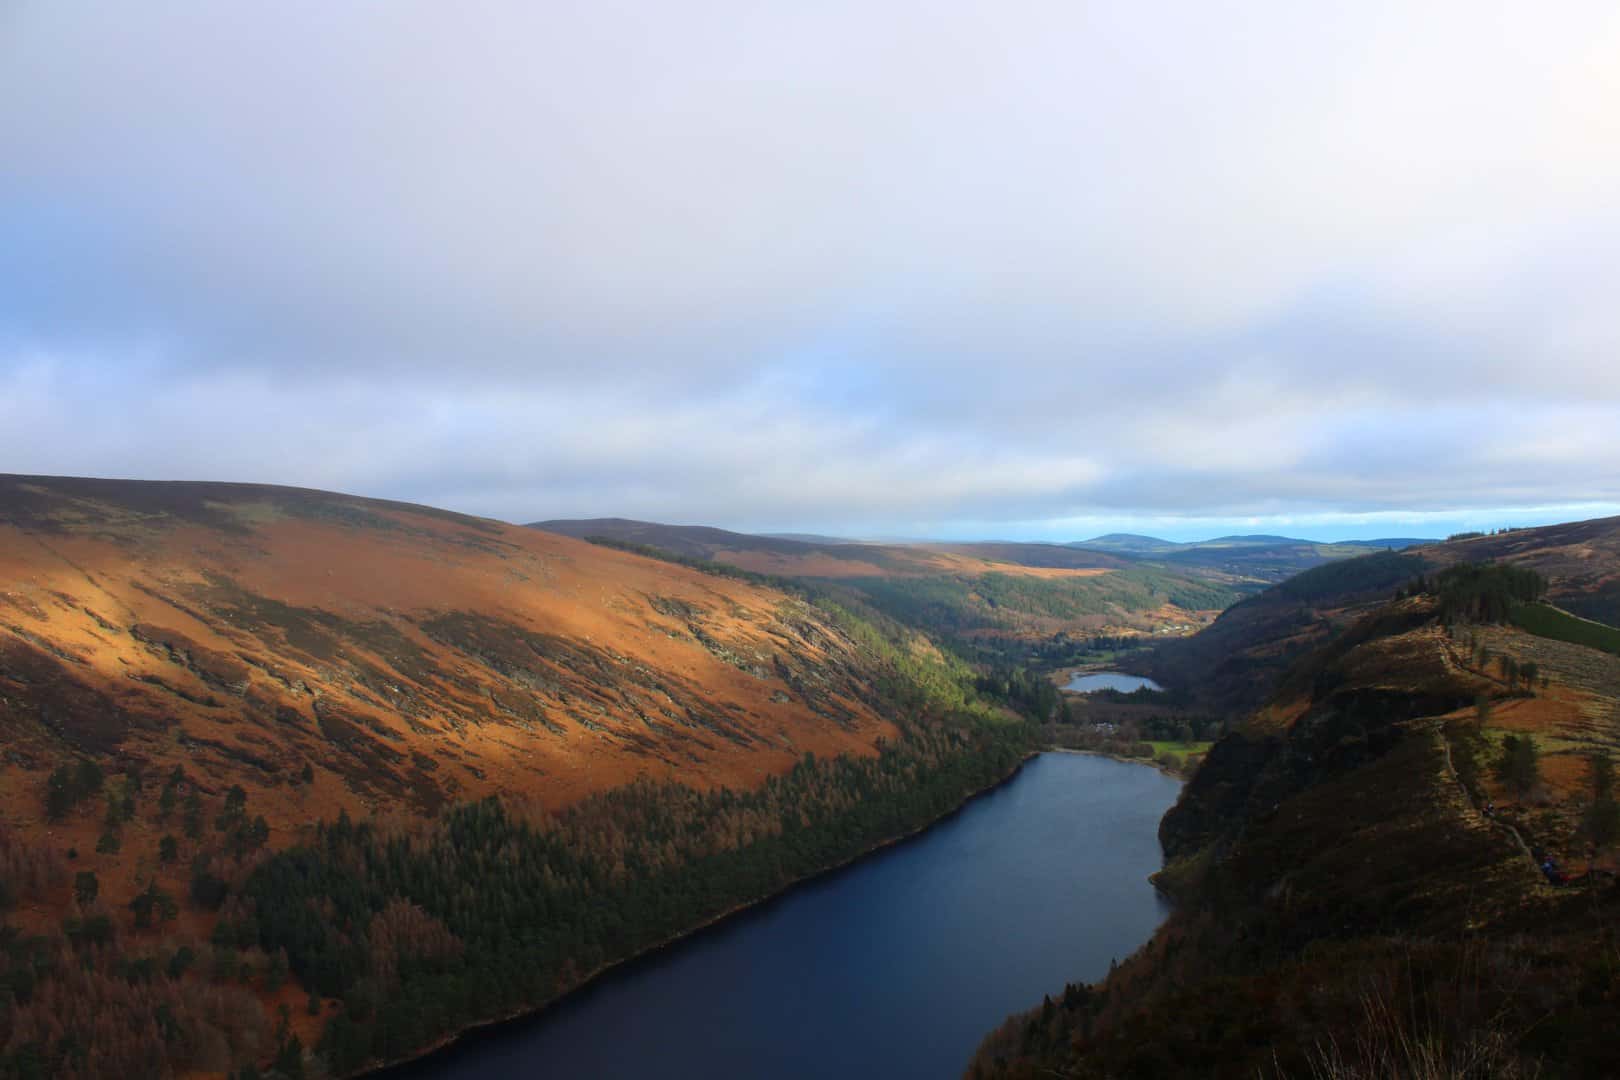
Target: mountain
409,655
1128,543
1250,540
809,538
1251,560
1358,865
397,771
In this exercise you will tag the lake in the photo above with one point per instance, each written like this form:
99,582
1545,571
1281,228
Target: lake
897,965
1109,680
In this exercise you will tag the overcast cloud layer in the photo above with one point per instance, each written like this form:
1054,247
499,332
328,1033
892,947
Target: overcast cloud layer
1016,269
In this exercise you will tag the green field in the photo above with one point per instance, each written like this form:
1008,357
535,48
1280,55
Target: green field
1181,749
1546,621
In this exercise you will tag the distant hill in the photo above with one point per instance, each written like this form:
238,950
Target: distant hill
1249,559
809,538
1138,544
1127,543
992,592
1393,543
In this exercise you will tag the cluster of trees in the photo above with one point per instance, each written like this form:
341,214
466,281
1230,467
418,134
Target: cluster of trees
114,991
70,785
1134,737
28,874
1058,650
1478,592
1475,534
1029,692
1515,673
98,1003
1602,820
1546,621
499,908
1374,574
1518,674
1519,766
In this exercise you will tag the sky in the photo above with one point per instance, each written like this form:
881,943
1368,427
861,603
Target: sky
1013,269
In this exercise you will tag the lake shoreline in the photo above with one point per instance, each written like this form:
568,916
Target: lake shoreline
1065,677
380,1071
1149,762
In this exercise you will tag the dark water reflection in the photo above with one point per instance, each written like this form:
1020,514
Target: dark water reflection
894,967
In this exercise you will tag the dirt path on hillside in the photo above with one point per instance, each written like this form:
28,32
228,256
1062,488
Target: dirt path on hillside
1445,743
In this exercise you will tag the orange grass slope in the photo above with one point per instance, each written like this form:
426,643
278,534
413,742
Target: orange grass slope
408,656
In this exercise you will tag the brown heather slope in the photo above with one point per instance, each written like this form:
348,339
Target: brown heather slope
1234,664
410,655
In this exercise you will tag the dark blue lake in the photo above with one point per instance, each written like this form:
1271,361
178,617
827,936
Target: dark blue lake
1109,680
895,966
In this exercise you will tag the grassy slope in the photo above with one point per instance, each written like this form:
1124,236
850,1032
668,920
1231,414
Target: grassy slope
1544,620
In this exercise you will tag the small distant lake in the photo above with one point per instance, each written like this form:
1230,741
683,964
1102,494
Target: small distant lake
896,966
1110,680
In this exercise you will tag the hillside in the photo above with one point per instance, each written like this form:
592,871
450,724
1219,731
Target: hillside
992,599
1233,665
409,655
259,743
1353,863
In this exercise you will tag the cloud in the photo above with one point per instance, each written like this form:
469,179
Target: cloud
796,266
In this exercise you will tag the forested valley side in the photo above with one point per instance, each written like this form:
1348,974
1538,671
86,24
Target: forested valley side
373,941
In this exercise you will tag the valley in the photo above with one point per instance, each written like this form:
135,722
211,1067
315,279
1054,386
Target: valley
303,782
